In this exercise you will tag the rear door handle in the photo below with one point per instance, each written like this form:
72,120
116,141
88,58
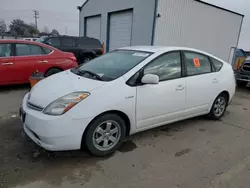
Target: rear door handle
215,81
43,61
180,88
9,63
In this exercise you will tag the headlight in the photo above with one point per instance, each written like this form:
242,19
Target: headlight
65,103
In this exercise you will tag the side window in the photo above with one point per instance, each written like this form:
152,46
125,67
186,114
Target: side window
53,41
5,50
28,50
167,67
70,42
46,50
217,64
197,63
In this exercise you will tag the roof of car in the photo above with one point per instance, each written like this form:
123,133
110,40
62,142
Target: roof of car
17,41
155,49
27,42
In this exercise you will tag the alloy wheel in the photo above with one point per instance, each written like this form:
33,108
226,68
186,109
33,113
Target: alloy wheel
106,135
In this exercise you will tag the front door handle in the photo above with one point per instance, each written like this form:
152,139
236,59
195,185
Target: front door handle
215,81
9,63
43,61
180,88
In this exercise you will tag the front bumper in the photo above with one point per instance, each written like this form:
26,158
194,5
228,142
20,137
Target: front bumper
242,77
53,133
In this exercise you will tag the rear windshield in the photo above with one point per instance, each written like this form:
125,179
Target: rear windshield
41,39
114,64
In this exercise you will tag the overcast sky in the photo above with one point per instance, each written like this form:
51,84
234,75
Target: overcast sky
63,15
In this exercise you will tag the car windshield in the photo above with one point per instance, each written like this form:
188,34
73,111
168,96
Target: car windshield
112,65
41,39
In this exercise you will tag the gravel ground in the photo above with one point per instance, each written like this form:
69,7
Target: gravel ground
196,153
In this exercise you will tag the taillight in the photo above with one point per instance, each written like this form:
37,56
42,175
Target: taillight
73,59
102,49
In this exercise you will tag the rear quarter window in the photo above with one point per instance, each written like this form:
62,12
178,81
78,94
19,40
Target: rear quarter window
88,42
46,50
217,64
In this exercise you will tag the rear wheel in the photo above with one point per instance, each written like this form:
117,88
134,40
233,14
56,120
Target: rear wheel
52,71
105,135
242,83
219,107
85,59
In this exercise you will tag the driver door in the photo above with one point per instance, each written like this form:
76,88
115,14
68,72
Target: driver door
164,102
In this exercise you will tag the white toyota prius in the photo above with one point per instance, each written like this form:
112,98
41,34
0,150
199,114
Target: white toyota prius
124,92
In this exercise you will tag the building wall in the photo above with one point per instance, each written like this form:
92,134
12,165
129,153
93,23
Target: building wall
194,24
143,17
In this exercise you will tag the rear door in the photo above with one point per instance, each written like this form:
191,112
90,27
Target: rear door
7,62
202,83
68,44
30,58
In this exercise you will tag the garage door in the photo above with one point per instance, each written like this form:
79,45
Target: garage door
120,29
93,27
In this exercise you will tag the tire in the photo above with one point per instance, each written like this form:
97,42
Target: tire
52,71
85,59
98,131
242,83
219,107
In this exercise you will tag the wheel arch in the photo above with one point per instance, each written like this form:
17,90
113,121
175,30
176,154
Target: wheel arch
117,112
225,92
52,68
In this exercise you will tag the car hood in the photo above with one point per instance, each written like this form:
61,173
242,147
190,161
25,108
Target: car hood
56,86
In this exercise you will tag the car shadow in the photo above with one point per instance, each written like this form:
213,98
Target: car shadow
244,89
23,162
10,88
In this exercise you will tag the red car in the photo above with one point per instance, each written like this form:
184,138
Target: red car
19,58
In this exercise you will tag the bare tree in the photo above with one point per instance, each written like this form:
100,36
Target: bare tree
3,26
55,32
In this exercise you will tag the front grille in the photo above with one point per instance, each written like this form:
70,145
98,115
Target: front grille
246,67
34,107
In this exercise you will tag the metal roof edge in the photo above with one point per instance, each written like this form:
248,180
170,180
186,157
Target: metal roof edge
201,1
209,4
80,7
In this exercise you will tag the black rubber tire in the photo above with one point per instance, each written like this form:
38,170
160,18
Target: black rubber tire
211,114
88,142
85,59
242,83
52,71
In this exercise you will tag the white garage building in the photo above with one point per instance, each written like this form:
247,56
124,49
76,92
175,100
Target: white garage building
189,23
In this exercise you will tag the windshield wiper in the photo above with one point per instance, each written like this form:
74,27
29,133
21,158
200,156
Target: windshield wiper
91,73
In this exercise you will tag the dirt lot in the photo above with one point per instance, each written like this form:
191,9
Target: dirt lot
196,153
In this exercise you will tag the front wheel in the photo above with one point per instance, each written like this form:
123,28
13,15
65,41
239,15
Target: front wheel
105,135
219,107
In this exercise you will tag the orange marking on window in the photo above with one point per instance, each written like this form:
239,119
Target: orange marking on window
197,63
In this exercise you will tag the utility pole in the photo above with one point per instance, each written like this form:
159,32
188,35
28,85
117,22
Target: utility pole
66,30
36,16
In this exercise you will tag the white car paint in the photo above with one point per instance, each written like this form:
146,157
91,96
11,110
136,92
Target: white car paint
146,106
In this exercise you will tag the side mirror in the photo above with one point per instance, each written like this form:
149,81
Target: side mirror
150,79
